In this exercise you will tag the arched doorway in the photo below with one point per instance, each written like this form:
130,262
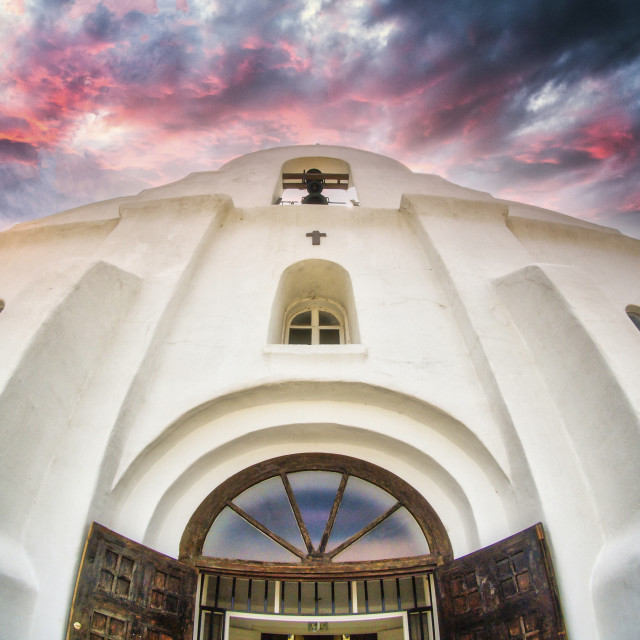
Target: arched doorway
346,546
315,546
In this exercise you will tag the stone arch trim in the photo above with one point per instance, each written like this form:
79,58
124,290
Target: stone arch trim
424,514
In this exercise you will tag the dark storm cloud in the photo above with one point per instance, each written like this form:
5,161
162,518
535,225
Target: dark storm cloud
102,25
512,93
470,53
20,151
578,35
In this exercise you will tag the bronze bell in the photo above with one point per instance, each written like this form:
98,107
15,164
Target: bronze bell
314,184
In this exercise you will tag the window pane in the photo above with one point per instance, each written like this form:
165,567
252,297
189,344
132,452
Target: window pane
398,536
342,597
267,502
231,536
324,598
362,502
391,595
315,492
308,593
374,596
299,336
241,595
212,625
303,319
407,596
290,598
258,596
327,319
224,596
271,596
329,336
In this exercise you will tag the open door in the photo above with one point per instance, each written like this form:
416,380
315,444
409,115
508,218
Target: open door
126,591
506,591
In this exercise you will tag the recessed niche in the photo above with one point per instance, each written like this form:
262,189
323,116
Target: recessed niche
314,284
337,196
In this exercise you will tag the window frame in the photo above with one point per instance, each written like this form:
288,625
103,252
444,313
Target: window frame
315,306
196,531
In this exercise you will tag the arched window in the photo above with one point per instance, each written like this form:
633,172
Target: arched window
315,322
314,514
322,288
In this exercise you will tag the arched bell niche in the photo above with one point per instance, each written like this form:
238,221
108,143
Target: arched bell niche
344,194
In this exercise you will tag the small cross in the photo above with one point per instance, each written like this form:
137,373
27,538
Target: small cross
315,236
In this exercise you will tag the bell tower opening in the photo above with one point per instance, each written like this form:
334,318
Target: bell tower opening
316,180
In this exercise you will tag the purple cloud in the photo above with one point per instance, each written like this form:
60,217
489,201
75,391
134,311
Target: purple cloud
503,96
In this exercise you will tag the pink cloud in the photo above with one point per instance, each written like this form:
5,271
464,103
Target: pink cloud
608,137
122,7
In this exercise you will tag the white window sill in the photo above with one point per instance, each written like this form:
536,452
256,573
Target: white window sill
317,349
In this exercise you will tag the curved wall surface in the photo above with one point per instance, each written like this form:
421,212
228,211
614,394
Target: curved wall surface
490,363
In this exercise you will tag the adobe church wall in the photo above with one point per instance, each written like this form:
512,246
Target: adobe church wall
222,327
574,402
156,377
78,334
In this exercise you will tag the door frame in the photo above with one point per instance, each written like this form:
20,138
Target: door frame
305,619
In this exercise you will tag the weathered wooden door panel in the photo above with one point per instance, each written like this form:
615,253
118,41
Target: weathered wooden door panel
506,591
126,591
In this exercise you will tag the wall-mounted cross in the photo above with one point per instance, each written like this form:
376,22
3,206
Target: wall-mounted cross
315,236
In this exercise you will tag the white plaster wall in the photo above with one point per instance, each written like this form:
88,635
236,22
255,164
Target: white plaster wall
137,374
411,338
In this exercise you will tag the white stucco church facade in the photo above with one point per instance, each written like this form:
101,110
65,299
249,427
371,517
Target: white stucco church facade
469,361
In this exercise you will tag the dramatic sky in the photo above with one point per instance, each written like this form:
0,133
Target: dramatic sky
532,100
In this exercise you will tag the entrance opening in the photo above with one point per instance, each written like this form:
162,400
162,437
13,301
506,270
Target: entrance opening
126,590
413,624
315,545
370,627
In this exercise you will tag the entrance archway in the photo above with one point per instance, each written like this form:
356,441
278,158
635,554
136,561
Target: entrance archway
316,540
396,579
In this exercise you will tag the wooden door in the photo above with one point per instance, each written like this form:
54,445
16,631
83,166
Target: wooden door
504,592
126,591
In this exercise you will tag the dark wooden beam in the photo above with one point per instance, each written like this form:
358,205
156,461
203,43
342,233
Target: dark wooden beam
319,571
267,532
356,536
334,512
315,176
331,180
302,185
296,512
